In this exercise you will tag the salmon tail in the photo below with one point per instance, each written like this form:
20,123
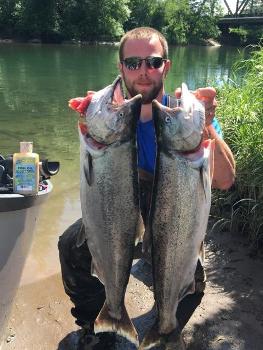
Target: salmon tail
123,327
171,341
152,339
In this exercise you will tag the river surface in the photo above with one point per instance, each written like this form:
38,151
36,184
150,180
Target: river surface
36,82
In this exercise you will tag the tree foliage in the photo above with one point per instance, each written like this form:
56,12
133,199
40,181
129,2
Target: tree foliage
145,13
7,16
36,19
182,21
90,20
176,23
65,19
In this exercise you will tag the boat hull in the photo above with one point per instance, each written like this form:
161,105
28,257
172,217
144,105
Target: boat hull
18,218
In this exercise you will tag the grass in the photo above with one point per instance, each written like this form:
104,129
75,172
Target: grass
241,110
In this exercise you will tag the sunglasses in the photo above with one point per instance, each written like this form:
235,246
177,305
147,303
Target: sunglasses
152,62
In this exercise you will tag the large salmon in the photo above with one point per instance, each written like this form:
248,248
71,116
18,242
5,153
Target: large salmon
179,213
109,194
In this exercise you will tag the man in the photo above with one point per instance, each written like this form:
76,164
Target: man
143,64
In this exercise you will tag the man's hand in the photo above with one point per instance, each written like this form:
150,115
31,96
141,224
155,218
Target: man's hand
207,96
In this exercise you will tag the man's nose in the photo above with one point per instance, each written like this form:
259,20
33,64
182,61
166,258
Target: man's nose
143,67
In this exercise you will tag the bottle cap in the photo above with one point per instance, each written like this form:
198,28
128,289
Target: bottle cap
26,147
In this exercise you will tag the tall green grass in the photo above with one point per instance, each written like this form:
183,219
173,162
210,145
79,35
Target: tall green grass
241,111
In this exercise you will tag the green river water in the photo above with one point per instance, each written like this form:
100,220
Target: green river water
36,81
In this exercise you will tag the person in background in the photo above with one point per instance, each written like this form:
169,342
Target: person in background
144,65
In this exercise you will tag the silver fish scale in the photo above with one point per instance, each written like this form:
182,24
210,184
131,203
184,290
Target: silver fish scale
179,218
110,208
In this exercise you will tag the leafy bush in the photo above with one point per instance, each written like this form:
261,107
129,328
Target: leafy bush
239,35
241,108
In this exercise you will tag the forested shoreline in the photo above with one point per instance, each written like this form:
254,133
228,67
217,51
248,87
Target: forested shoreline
54,21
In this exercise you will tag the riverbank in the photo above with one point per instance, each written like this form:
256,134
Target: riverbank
64,42
204,42
230,315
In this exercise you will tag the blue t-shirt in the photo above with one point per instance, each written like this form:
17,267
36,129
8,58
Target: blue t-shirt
147,144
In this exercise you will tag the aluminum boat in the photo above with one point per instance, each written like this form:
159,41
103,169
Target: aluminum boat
18,218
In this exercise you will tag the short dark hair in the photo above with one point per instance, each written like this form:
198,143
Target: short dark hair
143,33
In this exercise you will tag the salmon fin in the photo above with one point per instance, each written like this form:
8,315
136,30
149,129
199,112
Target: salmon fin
173,340
211,155
190,289
123,327
201,256
95,272
146,245
203,177
139,230
206,169
209,145
152,338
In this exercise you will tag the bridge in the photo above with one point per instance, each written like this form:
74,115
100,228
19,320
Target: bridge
241,20
246,12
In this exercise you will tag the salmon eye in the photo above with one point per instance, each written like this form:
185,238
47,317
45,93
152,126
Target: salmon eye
168,119
121,114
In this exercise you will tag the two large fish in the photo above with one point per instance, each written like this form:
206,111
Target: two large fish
110,204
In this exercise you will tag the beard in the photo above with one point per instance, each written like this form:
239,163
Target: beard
147,97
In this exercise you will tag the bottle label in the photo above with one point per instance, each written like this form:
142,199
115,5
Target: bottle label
25,170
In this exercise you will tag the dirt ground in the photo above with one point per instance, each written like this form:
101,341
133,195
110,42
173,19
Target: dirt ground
230,316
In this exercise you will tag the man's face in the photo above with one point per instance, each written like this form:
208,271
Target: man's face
146,81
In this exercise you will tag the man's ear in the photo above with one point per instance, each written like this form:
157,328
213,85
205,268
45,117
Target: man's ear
167,67
120,67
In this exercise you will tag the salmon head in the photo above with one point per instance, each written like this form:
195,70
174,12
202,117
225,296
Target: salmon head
181,127
109,114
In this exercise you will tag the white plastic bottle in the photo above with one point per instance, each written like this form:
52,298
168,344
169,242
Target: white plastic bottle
26,170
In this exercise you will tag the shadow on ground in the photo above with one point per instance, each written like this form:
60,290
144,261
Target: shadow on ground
230,316
231,313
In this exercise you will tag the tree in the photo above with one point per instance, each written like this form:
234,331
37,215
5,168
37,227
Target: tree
77,19
145,13
112,15
203,19
91,20
7,17
36,19
181,21
158,16
176,18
